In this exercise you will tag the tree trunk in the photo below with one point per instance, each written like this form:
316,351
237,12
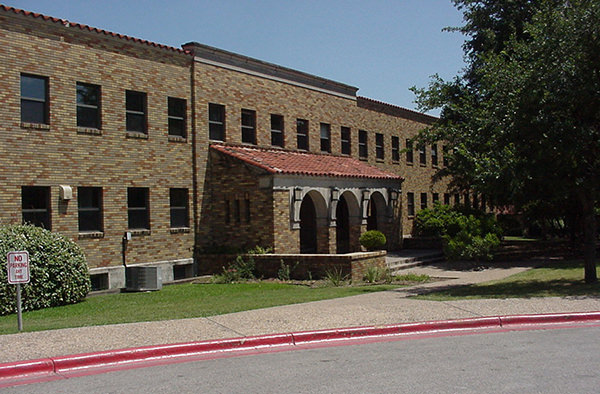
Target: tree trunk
589,238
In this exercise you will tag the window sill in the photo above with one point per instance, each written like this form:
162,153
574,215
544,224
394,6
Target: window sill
177,138
435,166
36,126
363,158
410,163
179,230
136,135
89,130
423,165
139,232
395,161
411,217
380,161
91,235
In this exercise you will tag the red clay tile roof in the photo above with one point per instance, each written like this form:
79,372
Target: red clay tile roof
66,23
279,161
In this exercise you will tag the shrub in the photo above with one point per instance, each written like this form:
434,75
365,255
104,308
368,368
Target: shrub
376,274
335,276
465,246
238,270
285,270
58,270
373,240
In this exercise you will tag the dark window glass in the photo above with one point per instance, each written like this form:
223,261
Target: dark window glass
395,148
277,130
363,148
247,209
35,205
302,133
135,105
434,155
89,204
422,154
410,204
177,111
379,148
227,212
457,199
216,122
409,151
34,99
236,211
248,126
435,198
345,138
423,200
447,198
88,105
325,137
178,201
445,160
138,208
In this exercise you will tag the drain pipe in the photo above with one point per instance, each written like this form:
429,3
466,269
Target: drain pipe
126,239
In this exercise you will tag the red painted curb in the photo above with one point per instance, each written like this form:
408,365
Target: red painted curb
80,363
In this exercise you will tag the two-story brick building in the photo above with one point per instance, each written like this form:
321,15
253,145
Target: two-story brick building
186,149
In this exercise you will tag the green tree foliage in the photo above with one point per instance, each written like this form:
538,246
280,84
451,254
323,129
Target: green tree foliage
372,240
523,119
58,270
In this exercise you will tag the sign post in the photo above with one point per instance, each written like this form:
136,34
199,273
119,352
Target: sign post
17,264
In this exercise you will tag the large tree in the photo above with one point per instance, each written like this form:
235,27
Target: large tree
523,118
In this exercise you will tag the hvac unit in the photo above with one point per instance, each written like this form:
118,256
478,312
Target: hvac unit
142,278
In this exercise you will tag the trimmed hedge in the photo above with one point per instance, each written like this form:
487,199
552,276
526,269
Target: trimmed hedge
373,240
58,270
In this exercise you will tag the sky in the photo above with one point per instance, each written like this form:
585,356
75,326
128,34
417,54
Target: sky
382,47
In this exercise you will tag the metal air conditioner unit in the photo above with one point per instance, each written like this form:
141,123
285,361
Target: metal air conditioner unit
142,278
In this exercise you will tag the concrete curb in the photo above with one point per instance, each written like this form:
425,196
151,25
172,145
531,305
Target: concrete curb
82,364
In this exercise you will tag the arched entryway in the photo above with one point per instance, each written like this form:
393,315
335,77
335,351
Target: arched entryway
342,215
376,212
308,226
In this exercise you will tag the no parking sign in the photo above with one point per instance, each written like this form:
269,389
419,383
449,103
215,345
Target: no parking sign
18,267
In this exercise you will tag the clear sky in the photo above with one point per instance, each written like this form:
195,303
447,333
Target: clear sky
383,47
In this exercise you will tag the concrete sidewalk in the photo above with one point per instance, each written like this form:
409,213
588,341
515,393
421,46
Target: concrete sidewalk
381,308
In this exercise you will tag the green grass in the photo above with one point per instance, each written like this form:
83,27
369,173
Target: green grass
518,238
176,302
410,277
556,280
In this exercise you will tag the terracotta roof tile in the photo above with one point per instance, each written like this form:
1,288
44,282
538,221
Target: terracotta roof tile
279,161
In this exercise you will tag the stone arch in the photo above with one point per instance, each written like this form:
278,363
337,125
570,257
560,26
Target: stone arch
313,220
347,223
376,211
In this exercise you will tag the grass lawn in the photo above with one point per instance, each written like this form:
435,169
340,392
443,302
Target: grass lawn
177,302
558,279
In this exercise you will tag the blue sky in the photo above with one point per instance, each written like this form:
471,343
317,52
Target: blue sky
381,47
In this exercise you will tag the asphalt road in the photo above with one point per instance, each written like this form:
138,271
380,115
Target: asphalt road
533,361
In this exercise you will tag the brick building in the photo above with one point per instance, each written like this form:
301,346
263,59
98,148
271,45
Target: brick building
194,148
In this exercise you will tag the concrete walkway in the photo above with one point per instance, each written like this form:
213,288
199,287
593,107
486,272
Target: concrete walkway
381,308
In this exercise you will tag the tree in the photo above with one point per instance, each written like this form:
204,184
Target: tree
523,119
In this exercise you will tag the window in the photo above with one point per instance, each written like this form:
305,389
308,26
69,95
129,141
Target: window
138,208
178,201
423,200
409,151
302,133
457,199
35,205
177,110
89,209
446,198
34,99
410,204
379,149
422,154
247,210
236,211
345,138
216,122
325,137
248,126
395,149
434,155
227,212
88,105
135,104
277,138
445,160
363,149
435,198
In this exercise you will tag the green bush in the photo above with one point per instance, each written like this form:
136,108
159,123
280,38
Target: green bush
238,270
58,270
465,246
373,240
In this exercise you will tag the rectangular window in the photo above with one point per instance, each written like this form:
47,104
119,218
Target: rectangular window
410,204
409,151
395,149
277,138
423,200
89,209
178,202
34,99
446,198
435,198
345,138
325,137
434,155
88,105
422,154
445,160
138,208
216,122
379,148
236,211
363,148
249,126
457,199
227,212
247,210
135,105
177,110
302,133
35,205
